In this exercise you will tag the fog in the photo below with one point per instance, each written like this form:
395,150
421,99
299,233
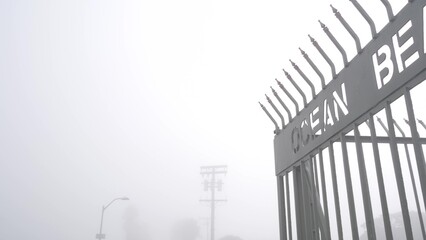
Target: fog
107,99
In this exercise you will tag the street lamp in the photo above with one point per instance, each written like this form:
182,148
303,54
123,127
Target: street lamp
100,235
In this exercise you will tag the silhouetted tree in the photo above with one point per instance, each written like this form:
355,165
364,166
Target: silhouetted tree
230,237
132,227
397,224
186,229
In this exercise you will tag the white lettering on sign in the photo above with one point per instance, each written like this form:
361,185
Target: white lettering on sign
328,118
315,122
340,103
399,49
320,119
389,60
386,64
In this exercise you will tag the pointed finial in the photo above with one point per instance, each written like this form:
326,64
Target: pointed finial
273,90
267,98
312,39
294,65
335,11
323,25
303,52
262,106
286,73
279,83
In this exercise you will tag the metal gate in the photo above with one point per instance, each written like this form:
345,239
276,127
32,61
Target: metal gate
350,163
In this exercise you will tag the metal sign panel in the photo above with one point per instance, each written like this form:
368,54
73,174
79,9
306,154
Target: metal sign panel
394,58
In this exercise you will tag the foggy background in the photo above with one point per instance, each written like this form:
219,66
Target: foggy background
104,99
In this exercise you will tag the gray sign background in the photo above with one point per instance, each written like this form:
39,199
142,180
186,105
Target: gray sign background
361,87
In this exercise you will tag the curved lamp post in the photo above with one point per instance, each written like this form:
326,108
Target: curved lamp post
100,235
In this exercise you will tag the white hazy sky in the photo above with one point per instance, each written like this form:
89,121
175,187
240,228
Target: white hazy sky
108,98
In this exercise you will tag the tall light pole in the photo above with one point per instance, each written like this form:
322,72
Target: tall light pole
100,235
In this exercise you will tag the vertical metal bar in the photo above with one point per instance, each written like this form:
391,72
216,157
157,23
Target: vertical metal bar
288,95
277,129
318,214
324,55
302,74
282,104
413,183
349,190
324,197
296,86
366,17
369,220
298,202
281,208
319,73
315,170
287,185
277,111
336,191
388,7
307,206
398,173
314,200
336,43
418,150
379,174
348,28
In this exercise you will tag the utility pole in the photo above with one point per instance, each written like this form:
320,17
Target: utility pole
206,222
212,185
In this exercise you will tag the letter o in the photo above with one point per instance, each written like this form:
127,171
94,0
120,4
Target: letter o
295,139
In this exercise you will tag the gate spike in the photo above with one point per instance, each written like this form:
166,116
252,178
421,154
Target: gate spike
348,28
383,125
296,86
277,129
336,43
289,96
324,55
407,122
308,59
388,7
276,110
302,74
282,103
399,128
422,123
366,17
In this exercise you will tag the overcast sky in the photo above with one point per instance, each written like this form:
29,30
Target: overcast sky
107,98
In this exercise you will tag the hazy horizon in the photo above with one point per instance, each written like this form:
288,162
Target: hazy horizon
105,99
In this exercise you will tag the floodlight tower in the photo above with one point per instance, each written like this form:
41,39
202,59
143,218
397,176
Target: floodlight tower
212,185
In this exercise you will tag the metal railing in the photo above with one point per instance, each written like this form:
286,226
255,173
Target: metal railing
363,174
